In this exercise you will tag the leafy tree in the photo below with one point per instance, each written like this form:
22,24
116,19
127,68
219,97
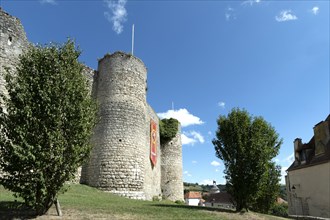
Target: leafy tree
269,189
246,144
47,124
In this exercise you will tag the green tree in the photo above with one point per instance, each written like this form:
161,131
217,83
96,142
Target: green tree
246,144
47,124
269,189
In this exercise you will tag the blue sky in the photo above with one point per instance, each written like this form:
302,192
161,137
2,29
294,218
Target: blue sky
204,58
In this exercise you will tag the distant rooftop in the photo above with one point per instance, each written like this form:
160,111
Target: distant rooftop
316,151
192,195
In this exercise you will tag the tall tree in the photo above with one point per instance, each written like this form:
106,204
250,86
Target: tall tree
246,144
47,124
269,189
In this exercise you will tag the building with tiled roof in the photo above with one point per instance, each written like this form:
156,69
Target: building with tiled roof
308,177
193,198
219,199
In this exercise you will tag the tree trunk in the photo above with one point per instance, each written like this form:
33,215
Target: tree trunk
58,207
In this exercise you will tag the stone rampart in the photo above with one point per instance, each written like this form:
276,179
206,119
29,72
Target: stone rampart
13,42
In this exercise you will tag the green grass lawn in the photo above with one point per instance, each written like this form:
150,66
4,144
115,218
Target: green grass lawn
83,202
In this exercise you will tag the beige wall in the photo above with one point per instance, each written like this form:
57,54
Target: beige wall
311,196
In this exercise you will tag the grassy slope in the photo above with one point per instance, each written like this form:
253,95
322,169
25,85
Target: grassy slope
83,202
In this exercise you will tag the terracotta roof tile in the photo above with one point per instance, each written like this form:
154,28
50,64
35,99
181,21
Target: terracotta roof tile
221,197
192,195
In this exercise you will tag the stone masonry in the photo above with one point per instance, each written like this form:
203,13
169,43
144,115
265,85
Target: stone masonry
120,160
171,168
12,43
117,159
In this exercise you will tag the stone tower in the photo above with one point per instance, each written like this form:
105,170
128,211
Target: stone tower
171,168
120,142
13,42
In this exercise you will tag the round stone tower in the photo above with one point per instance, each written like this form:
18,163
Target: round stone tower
118,157
171,168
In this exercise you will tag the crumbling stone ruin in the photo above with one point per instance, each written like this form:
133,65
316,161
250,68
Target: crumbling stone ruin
127,158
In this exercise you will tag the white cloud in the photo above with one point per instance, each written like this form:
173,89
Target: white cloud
191,137
315,10
215,163
222,104
209,133
206,182
183,116
276,160
52,2
117,14
217,170
290,158
194,161
251,2
285,15
230,13
186,173
197,136
187,140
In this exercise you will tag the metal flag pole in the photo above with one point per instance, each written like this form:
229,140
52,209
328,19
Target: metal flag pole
133,39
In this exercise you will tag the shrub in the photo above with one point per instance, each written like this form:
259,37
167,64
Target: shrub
168,129
180,202
156,198
280,210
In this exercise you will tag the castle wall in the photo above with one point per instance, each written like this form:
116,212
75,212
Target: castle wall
118,157
89,75
13,41
171,168
152,180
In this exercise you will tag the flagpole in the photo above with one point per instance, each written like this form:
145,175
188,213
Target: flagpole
133,39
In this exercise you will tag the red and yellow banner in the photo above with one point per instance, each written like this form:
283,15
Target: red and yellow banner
153,142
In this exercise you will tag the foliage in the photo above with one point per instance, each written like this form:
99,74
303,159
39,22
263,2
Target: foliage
46,126
280,210
201,188
269,189
168,128
246,144
156,198
192,188
179,202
